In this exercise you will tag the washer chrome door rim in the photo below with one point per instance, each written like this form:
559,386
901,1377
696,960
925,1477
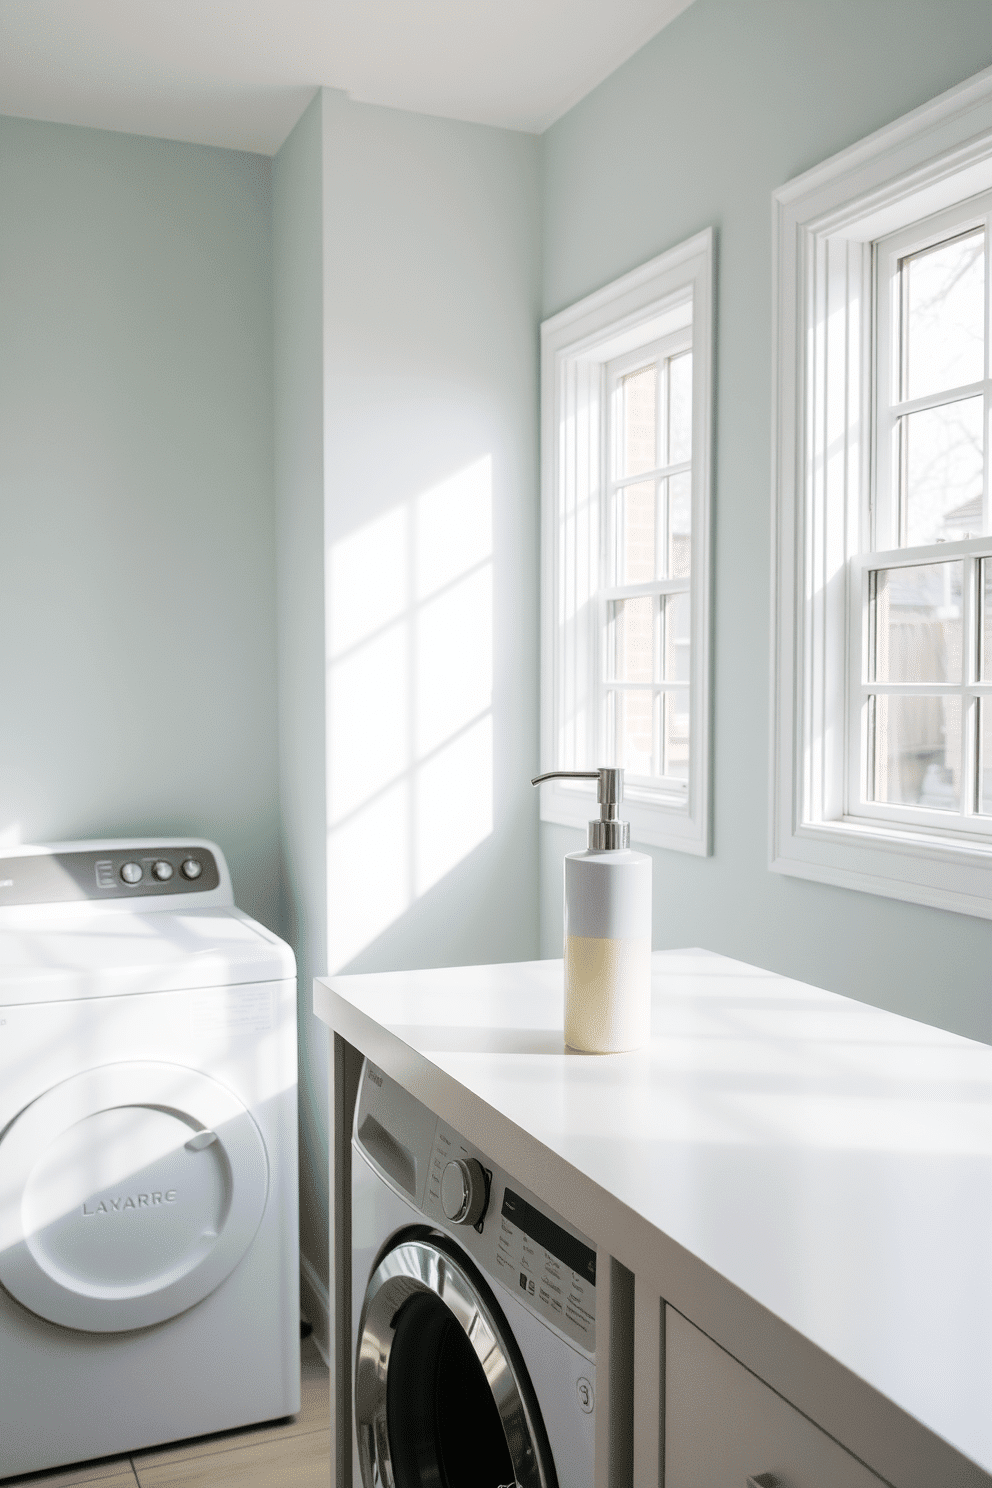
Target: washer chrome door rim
428,1264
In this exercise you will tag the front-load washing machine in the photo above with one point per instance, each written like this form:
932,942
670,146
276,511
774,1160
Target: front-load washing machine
148,1175
473,1310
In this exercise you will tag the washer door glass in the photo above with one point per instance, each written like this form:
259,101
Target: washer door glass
127,1194
442,1397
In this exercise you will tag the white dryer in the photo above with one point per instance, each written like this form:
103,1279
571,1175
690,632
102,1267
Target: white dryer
473,1311
148,1171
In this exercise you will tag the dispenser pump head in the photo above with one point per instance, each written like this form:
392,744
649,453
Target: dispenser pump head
608,833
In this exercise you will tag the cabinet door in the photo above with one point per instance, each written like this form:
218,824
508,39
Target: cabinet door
723,1426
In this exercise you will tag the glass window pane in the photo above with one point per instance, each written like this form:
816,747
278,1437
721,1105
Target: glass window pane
942,454
679,526
630,652
636,542
986,642
917,751
676,706
677,638
985,747
639,435
680,408
945,316
634,714
918,623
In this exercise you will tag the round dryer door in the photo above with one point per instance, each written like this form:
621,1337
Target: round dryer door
127,1194
441,1392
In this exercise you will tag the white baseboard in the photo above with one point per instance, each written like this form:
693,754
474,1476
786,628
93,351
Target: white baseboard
315,1306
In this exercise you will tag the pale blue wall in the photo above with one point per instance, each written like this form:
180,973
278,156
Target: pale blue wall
698,128
298,273
137,609
432,307
407,302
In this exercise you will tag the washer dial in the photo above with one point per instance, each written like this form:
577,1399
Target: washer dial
463,1191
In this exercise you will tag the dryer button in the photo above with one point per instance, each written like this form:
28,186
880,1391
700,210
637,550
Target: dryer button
587,1398
131,873
191,868
162,870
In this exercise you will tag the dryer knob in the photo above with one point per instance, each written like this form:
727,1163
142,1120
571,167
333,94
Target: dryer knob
463,1191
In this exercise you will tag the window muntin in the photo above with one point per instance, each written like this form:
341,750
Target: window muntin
643,715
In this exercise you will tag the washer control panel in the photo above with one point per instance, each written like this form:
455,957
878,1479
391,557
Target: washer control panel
124,872
557,1271
549,1266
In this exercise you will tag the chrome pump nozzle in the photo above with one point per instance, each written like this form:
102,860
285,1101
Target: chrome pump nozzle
608,833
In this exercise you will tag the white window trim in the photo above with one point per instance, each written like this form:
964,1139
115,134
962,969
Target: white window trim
823,225
576,345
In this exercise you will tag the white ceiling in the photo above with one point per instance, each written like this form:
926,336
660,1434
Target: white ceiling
239,73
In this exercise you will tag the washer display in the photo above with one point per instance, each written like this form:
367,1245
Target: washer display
474,1313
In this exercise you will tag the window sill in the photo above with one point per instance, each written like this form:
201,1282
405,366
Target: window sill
927,868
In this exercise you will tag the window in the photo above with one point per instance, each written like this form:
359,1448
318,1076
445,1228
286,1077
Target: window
882,772
625,512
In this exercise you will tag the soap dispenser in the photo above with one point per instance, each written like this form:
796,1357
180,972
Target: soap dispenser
607,928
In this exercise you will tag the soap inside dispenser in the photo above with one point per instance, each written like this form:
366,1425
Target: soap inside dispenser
607,928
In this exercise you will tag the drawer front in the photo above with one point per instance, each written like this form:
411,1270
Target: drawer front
723,1426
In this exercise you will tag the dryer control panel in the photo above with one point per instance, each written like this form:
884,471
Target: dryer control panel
546,1263
112,871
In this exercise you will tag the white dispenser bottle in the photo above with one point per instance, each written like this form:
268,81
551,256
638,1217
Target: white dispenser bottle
607,929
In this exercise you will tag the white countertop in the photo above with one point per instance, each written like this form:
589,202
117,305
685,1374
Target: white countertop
831,1161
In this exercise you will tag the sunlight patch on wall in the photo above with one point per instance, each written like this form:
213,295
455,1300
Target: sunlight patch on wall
409,704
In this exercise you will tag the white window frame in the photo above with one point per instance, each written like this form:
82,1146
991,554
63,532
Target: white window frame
824,225
657,301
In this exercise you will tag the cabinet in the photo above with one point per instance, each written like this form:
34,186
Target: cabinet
724,1428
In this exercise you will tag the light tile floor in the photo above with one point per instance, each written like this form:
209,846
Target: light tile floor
285,1454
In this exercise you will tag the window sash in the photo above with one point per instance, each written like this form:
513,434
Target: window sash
969,689
657,354
887,520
